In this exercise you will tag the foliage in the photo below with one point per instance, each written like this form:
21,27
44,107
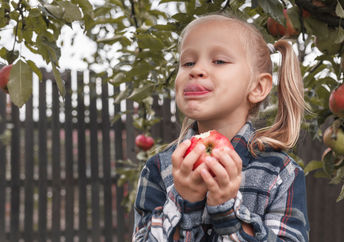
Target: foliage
146,39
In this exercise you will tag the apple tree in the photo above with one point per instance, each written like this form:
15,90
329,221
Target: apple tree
144,35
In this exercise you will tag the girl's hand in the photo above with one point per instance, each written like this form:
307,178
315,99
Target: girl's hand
226,165
188,183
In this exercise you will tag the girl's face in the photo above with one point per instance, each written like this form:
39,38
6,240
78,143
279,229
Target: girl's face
214,74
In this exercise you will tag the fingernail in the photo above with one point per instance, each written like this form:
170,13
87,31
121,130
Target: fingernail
201,147
187,142
209,159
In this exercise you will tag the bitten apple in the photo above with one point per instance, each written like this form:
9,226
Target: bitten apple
144,142
336,101
4,77
211,140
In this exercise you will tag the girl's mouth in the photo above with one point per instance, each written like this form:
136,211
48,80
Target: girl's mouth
195,90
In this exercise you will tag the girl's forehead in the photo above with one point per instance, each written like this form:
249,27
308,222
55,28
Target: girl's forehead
214,31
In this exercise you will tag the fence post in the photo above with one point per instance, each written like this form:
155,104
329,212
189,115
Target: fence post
56,165
42,185
2,166
29,164
69,161
106,164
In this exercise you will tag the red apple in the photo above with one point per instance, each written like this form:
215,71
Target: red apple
276,29
144,142
336,101
334,138
211,140
4,77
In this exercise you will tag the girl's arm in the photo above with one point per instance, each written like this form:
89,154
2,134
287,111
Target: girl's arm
160,211
285,218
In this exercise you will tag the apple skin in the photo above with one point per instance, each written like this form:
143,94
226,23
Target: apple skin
4,77
211,140
336,101
144,142
276,29
336,141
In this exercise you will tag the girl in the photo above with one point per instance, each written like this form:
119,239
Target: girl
258,191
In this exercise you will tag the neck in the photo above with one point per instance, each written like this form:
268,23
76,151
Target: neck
229,129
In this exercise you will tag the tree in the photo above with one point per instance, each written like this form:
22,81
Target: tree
146,39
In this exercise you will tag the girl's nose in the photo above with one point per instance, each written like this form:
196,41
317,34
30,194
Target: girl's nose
198,72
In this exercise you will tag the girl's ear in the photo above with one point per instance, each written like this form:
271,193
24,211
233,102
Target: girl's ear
260,88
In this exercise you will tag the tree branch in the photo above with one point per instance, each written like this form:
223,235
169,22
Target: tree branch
321,13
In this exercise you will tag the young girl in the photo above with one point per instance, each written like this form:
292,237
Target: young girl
257,192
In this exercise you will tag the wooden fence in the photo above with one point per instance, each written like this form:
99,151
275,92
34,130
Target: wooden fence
58,171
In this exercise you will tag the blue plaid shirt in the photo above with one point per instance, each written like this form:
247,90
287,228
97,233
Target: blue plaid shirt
272,198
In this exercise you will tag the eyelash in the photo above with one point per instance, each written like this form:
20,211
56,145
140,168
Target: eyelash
218,62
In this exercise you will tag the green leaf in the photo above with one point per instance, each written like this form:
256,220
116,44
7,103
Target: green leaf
142,92
339,10
58,79
167,1
55,11
341,194
118,79
340,35
35,69
274,8
149,42
313,165
20,83
71,12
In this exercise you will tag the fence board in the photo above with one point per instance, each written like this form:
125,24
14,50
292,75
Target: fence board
69,162
15,171
120,210
2,166
29,164
82,204
106,164
56,172
42,187
94,162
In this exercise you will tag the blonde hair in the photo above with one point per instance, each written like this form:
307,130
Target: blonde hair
284,132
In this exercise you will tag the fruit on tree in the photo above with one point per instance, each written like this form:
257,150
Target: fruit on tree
336,101
276,29
4,77
144,142
334,138
212,140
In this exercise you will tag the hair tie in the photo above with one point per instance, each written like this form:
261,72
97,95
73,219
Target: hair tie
271,48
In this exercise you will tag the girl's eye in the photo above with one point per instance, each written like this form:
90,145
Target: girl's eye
188,64
219,62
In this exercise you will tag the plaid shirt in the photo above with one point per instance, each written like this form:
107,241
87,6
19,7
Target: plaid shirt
272,198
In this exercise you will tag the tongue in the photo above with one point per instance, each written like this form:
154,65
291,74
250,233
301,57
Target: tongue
195,88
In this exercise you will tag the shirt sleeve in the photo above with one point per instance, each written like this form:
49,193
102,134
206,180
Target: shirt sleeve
159,210
285,219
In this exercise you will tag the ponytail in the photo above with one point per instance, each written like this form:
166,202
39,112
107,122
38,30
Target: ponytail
283,134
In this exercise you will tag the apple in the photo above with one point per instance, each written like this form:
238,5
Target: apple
144,142
334,138
211,140
276,29
336,101
4,77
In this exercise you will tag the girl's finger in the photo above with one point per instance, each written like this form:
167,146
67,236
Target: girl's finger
178,154
218,170
209,180
191,158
